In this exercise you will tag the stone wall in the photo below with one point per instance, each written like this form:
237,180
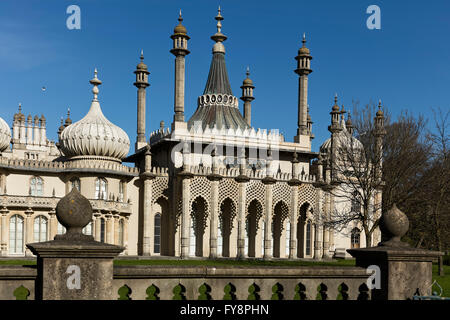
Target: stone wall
285,283
240,283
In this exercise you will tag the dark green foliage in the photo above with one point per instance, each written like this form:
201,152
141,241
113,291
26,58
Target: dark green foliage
124,292
21,293
277,292
322,292
204,291
343,292
300,292
253,291
230,291
152,293
178,292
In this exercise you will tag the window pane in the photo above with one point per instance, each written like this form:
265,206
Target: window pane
157,235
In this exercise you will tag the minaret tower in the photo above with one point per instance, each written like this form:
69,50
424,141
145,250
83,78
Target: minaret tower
380,132
179,50
303,70
334,128
247,96
141,83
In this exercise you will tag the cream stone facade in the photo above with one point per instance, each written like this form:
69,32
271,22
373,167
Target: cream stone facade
212,186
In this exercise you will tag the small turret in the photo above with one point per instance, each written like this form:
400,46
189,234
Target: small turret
247,96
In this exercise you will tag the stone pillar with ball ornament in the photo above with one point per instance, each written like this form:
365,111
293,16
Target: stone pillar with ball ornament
74,266
400,270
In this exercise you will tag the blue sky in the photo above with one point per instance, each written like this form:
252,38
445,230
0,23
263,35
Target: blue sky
406,63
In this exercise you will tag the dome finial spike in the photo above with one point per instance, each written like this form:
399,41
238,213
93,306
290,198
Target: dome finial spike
180,17
335,98
20,107
248,71
142,54
304,39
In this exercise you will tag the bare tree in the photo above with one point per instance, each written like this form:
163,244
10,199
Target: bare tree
356,179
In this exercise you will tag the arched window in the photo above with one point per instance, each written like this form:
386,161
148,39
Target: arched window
157,234
356,205
102,230
88,229
122,186
355,238
36,186
121,233
308,238
60,229
16,234
101,189
40,229
75,183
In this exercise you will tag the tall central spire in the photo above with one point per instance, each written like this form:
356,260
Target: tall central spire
217,107
218,76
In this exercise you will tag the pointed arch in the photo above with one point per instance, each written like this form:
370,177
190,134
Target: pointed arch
227,234
280,215
198,226
253,228
163,234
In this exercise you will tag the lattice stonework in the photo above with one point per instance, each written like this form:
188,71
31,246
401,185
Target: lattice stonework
281,192
307,193
160,188
228,188
200,186
255,189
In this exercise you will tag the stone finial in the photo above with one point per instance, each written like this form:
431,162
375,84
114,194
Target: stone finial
74,212
394,223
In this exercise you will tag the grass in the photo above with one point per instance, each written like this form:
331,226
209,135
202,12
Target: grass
226,262
8,262
443,281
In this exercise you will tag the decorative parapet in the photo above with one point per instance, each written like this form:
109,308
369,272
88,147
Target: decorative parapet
252,174
49,203
252,135
67,166
159,134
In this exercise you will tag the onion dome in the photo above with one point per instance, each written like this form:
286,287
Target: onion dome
180,29
247,81
30,118
36,119
142,65
5,135
68,121
61,127
94,135
335,106
343,139
379,112
303,50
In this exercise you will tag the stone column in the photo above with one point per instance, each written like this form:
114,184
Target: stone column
4,232
109,228
268,181
214,217
28,229
125,234
52,224
116,229
185,207
317,242
242,180
326,232
97,225
147,176
293,221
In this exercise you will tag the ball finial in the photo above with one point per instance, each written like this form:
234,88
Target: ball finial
74,212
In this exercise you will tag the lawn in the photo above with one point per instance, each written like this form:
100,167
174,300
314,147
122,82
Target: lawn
227,262
444,281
